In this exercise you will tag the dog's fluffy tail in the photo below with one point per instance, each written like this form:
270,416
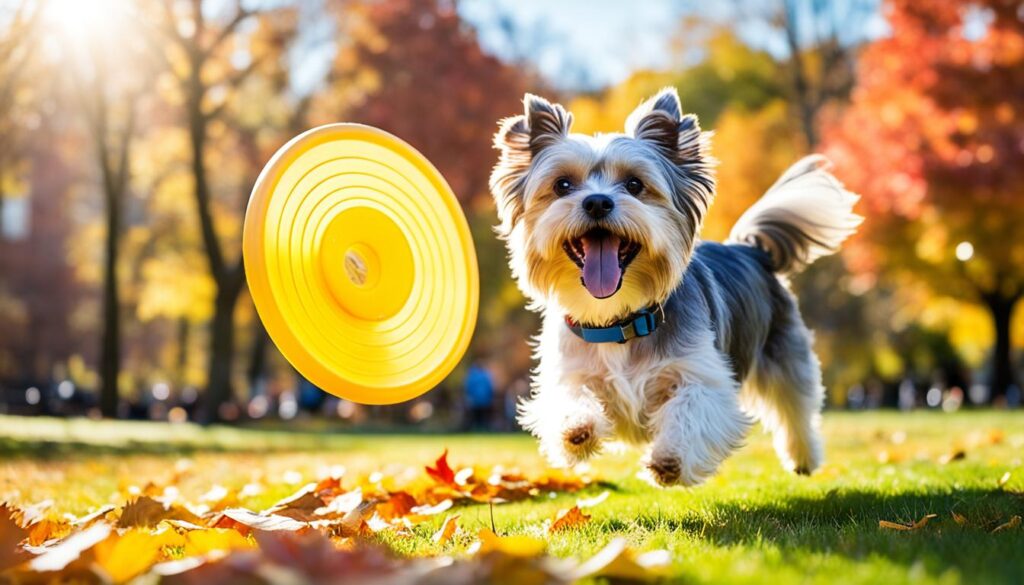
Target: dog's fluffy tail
805,215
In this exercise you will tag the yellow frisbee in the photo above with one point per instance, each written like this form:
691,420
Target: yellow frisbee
361,264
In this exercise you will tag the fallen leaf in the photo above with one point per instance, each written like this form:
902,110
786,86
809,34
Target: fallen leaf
1013,523
11,536
202,542
432,510
125,556
447,530
441,472
270,522
899,526
959,519
144,511
1005,479
299,506
567,519
954,455
617,562
62,554
594,501
517,546
45,529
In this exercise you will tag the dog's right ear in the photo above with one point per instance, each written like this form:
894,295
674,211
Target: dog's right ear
519,139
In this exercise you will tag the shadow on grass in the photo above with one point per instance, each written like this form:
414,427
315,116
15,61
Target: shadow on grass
845,522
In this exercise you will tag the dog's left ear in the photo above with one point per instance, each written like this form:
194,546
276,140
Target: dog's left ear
660,120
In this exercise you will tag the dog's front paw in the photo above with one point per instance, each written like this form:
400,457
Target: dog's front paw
580,441
665,471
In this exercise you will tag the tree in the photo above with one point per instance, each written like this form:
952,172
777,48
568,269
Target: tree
199,59
416,69
16,51
820,38
936,162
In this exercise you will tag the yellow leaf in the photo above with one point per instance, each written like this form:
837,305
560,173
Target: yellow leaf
1013,523
517,546
201,542
68,550
1005,479
618,563
128,555
566,519
898,526
447,530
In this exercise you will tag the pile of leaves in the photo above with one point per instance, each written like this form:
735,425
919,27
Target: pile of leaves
323,533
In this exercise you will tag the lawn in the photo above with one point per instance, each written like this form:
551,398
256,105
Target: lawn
751,523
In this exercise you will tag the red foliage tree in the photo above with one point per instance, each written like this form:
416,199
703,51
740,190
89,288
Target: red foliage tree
416,69
933,140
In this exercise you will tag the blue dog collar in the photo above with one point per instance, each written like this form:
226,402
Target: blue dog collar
639,324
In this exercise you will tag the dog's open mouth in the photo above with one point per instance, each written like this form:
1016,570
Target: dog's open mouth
603,257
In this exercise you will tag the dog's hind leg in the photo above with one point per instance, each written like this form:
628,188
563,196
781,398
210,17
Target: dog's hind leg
785,392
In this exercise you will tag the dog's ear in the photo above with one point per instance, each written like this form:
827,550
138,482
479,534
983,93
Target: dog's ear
519,139
661,122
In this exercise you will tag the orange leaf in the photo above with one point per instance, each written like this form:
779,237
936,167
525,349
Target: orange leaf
144,512
959,519
441,472
447,530
1013,523
68,550
617,562
566,519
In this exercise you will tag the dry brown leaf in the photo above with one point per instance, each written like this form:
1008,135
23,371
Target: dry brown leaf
11,536
567,519
299,506
915,526
446,531
144,511
1013,523
959,519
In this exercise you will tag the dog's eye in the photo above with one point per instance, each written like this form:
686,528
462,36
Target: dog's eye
562,186
634,186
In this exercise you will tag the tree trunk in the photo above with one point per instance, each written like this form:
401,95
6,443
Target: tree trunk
110,356
219,389
181,361
258,358
1001,309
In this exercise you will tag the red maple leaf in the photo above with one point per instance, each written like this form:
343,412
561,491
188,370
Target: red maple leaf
441,472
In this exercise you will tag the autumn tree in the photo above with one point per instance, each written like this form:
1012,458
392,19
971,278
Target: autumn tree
932,140
202,57
18,28
416,69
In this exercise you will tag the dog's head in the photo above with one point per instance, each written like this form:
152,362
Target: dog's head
600,226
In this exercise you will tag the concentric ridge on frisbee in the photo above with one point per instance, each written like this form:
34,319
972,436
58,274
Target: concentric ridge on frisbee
360,264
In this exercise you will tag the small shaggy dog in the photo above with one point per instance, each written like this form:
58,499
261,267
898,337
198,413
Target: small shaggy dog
649,335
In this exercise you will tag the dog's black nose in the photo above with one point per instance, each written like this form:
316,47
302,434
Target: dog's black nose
598,206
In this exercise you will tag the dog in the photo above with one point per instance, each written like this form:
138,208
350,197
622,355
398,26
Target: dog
649,335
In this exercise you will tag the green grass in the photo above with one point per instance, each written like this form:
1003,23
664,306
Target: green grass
751,523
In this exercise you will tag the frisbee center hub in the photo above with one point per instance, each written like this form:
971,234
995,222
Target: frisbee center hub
367,263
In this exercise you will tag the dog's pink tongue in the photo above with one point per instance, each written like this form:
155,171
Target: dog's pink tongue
601,272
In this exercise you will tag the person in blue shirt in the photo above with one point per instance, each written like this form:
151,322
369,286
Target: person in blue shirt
479,390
